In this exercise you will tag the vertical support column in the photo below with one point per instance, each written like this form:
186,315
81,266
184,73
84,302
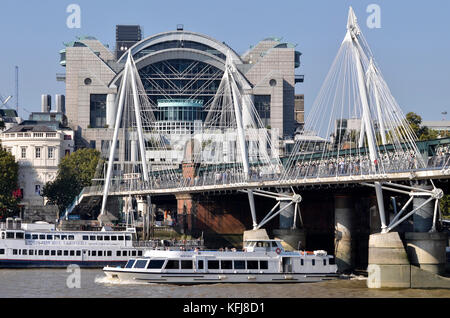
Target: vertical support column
423,218
343,215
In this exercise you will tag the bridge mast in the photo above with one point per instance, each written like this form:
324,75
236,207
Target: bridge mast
353,32
241,135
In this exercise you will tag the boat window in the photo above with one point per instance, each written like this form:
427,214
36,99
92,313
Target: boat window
99,238
313,262
35,236
140,263
118,253
47,253
113,238
133,253
63,237
324,262
263,265
226,264
139,253
53,253
42,236
71,238
302,262
9,235
173,264
66,253
100,253
239,264
106,237
274,244
128,238
2,251
124,253
213,264
156,264
186,265
78,253
108,253
120,237
59,252
14,252
92,237
94,253
27,236
252,264
50,237
130,263
24,252
259,244
56,237
31,252
72,253
3,235
41,252
85,238
200,264
19,235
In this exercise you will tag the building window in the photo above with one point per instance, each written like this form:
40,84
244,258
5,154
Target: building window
37,189
262,105
38,152
67,152
51,153
23,152
98,110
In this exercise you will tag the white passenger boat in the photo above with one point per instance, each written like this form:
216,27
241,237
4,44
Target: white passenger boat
41,245
261,261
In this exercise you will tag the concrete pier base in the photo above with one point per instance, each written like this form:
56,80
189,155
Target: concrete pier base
388,262
427,251
291,238
389,266
260,234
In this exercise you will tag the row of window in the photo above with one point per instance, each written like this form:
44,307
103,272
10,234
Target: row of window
106,237
189,264
210,264
52,237
72,252
38,152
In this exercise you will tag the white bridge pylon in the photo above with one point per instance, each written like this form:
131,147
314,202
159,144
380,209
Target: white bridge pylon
364,131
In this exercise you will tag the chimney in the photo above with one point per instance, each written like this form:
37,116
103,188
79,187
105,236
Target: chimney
60,103
46,103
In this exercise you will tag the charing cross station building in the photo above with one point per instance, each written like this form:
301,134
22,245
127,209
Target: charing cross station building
180,72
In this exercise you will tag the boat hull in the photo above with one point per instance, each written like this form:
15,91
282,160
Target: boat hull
214,278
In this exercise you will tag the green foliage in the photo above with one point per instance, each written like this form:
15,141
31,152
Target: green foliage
422,132
445,206
74,173
9,171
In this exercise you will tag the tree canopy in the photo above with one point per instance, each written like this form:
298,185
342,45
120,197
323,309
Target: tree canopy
9,174
422,132
74,173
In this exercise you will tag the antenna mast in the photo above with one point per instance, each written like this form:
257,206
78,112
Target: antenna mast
17,90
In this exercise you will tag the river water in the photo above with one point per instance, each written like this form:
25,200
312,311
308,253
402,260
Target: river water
53,283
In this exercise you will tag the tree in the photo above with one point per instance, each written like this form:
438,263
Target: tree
9,172
74,173
422,132
445,206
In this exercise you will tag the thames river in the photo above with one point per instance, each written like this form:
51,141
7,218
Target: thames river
53,283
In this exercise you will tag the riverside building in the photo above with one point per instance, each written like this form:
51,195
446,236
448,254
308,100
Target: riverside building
179,70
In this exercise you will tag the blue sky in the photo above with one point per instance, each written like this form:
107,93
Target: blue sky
412,46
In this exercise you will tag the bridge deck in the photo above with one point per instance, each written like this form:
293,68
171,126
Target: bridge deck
276,183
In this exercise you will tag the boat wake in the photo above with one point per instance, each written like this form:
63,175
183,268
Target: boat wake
105,280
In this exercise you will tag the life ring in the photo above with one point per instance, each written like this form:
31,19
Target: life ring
278,250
